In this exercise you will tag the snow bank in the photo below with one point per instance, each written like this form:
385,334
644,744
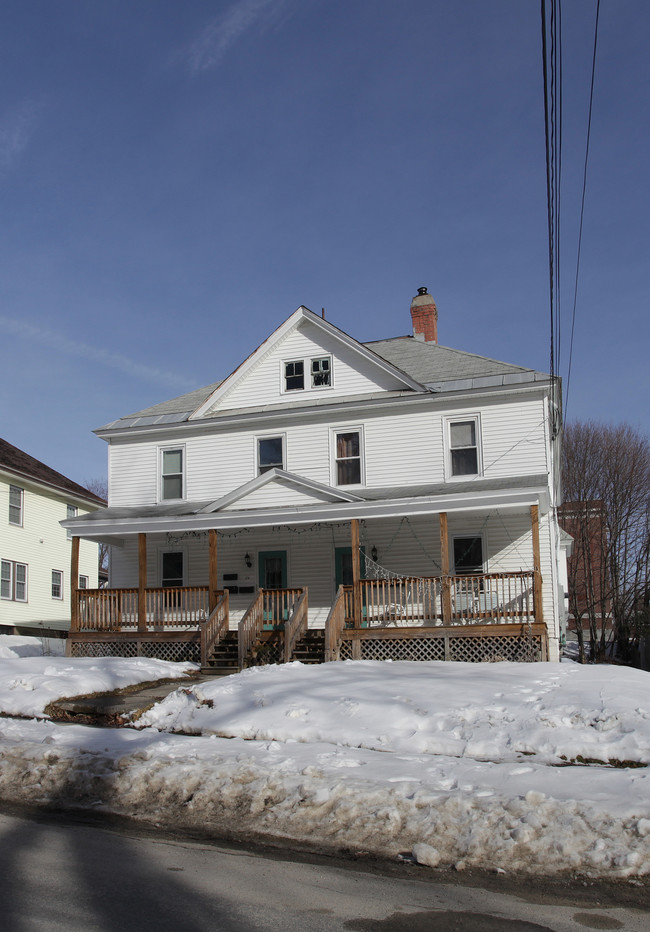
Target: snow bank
29,683
452,764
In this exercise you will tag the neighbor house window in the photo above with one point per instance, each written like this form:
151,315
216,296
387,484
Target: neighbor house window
71,513
172,474
270,454
83,582
468,555
348,457
463,447
294,376
16,505
57,584
13,581
321,372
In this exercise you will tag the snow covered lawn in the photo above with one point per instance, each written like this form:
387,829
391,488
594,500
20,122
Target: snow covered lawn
454,764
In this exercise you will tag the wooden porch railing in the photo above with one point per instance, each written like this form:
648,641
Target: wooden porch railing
296,624
335,622
448,600
250,628
165,608
214,627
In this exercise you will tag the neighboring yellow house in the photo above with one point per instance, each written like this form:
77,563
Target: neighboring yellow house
34,549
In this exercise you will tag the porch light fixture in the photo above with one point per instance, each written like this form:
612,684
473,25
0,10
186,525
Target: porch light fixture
373,554
248,561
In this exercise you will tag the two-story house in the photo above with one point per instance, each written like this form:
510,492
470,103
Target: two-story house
398,495
35,550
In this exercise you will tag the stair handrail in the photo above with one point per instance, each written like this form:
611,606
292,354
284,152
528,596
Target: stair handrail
334,626
296,624
250,627
215,625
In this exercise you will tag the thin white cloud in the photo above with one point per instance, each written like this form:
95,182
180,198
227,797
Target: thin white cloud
16,129
221,33
81,350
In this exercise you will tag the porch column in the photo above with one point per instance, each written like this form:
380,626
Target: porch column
444,554
538,611
356,572
212,571
74,585
142,582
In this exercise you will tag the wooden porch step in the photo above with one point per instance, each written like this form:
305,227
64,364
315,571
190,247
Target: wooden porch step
224,658
311,647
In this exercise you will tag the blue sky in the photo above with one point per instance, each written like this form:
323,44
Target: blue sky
177,177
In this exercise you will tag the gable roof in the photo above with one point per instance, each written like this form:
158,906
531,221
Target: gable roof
297,319
24,466
421,366
307,487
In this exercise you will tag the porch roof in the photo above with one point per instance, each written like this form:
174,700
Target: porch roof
476,495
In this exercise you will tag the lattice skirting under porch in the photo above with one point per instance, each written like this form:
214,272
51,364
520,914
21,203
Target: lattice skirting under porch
176,651
516,647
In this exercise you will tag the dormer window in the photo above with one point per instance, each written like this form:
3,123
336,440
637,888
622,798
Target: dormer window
294,376
321,372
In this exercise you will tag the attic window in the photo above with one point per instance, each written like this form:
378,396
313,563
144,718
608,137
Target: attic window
294,376
321,372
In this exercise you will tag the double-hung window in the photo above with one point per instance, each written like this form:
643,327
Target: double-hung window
270,454
321,372
468,556
83,582
57,584
13,581
171,480
348,457
16,495
294,376
71,512
464,447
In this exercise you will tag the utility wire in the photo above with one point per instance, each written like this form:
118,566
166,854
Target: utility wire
582,208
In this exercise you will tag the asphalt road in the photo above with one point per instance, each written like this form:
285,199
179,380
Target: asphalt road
61,872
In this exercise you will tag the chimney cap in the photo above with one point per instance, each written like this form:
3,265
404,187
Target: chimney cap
423,290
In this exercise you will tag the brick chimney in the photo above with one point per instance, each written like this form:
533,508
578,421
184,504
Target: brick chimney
424,315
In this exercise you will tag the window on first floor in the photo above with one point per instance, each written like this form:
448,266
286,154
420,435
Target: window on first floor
464,447
348,457
16,496
172,569
172,474
57,584
270,454
13,581
468,555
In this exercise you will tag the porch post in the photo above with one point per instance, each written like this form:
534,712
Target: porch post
142,582
444,554
74,585
212,572
538,611
356,572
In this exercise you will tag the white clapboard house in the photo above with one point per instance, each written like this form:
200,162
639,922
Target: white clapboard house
332,499
35,551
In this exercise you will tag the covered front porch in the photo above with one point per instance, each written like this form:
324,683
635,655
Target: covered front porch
265,589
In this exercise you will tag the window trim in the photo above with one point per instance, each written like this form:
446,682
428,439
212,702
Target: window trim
59,598
463,419
274,436
12,581
290,362
21,507
334,473
172,448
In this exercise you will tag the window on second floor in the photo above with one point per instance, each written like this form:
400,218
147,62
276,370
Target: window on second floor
171,484
464,447
348,457
83,582
71,512
16,496
57,584
13,581
270,454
